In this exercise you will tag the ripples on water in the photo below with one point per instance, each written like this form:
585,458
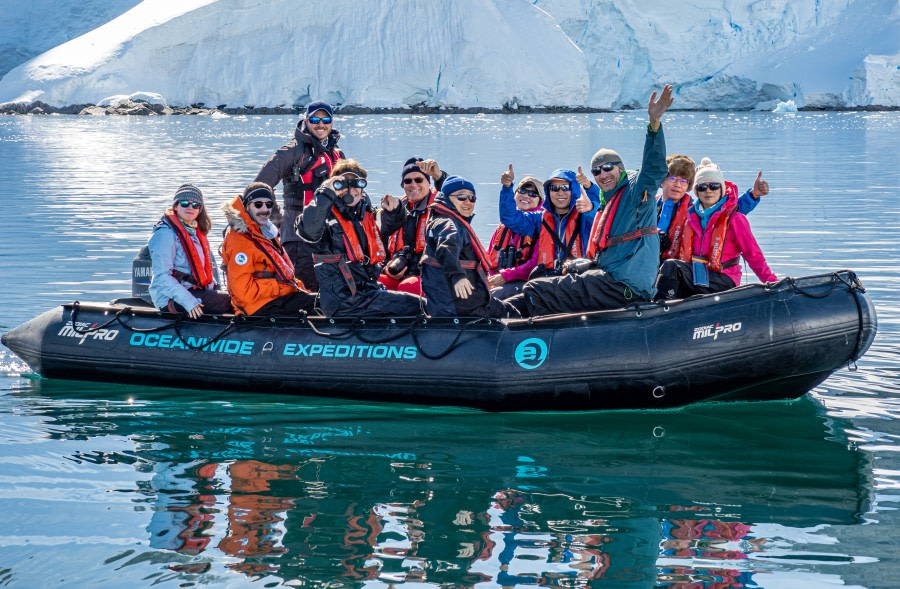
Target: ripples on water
106,486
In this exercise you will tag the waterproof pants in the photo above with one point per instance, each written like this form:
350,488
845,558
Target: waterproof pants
593,290
676,281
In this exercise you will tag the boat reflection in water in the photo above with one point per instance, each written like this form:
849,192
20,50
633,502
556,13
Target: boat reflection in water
311,492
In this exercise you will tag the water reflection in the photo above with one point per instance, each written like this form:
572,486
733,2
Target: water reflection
315,493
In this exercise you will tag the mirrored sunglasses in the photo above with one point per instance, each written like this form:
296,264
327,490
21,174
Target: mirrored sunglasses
190,203
464,197
560,188
317,120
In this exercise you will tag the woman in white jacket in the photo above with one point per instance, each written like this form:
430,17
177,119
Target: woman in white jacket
183,272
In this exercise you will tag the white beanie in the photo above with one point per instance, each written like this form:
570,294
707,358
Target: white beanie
707,171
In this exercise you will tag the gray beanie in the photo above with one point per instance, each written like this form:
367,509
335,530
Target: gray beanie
188,192
707,172
606,156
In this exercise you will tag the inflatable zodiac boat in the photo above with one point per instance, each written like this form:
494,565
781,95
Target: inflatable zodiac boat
752,343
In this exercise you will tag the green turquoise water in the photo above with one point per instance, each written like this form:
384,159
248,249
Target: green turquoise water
128,486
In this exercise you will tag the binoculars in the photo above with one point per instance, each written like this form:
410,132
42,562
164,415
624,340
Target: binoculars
507,257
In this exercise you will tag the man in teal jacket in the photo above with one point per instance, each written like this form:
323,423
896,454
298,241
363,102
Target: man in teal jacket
624,248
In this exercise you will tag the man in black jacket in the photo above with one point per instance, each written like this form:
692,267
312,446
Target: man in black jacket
301,166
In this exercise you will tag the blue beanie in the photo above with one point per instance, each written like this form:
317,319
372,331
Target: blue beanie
454,183
319,105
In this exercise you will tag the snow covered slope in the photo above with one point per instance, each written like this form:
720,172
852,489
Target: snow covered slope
29,28
720,54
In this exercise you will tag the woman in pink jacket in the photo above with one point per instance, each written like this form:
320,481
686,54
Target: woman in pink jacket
715,237
514,256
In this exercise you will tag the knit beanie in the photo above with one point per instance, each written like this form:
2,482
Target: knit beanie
413,169
707,171
319,105
606,156
454,183
188,192
256,191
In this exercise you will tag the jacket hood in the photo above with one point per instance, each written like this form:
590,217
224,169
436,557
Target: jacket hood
574,193
302,135
445,200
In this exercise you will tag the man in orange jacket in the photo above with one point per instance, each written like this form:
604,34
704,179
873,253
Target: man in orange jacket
260,274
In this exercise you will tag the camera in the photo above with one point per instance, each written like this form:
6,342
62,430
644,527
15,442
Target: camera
397,266
577,266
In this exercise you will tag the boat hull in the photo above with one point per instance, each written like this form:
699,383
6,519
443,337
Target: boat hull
750,344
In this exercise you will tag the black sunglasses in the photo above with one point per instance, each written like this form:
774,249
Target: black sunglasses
317,120
529,192
464,197
190,203
263,203
416,179
708,186
607,167
560,188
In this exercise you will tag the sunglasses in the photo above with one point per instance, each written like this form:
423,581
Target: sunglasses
416,179
464,197
529,192
607,167
678,180
317,120
258,204
190,203
560,188
708,186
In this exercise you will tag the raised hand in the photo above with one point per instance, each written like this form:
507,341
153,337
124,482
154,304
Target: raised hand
389,202
582,179
463,288
657,108
430,168
760,187
506,178
584,204
329,183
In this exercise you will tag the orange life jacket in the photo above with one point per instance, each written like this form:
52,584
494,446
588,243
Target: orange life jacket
523,250
201,269
549,242
600,238
473,238
713,257
676,228
328,158
374,247
397,241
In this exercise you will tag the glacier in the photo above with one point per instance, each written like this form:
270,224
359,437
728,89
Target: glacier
467,54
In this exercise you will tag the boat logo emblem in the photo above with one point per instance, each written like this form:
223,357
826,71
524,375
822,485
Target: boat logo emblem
240,259
715,330
531,353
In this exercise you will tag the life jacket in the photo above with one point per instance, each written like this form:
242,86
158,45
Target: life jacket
549,242
374,251
713,257
397,240
600,239
676,228
482,255
201,269
307,174
521,252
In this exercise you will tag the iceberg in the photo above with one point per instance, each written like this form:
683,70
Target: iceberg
472,54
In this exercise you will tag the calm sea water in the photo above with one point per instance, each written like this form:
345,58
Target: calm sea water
121,486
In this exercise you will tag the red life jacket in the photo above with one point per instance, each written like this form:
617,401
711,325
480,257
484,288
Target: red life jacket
201,269
713,257
473,238
549,243
329,158
676,228
600,238
374,247
523,249
397,241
